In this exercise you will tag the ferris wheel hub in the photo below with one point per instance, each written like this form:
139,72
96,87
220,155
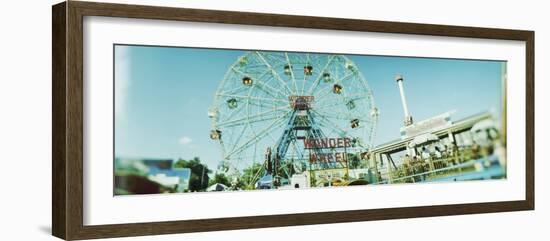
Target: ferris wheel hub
301,102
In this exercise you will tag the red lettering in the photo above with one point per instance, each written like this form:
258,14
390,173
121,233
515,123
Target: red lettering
340,142
322,143
312,158
308,143
347,142
332,142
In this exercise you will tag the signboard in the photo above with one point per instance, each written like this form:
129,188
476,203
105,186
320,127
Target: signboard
426,126
300,102
329,177
326,143
320,155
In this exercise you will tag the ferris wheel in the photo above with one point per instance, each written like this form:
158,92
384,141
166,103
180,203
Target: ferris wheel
267,98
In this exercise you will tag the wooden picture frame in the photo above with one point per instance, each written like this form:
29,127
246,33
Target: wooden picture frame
67,123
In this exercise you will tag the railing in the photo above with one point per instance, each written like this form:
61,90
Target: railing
465,160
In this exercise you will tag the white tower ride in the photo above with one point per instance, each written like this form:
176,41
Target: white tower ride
408,118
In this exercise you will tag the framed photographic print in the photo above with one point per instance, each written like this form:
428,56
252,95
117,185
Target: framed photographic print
171,120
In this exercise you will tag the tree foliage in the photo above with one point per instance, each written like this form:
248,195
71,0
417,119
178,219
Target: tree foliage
199,173
354,161
220,178
250,176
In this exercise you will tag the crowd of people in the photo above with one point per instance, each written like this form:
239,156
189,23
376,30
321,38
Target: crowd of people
433,157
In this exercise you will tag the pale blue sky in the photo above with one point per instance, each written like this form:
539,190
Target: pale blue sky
162,95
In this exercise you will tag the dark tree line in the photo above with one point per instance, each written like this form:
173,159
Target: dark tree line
199,173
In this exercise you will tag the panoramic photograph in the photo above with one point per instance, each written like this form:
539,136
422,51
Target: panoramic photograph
213,120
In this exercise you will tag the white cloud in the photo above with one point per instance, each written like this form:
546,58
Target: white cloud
185,140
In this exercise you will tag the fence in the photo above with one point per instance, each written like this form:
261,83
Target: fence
456,163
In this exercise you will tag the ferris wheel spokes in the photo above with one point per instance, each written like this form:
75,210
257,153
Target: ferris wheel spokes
256,117
274,73
253,98
257,78
275,124
328,123
320,75
289,71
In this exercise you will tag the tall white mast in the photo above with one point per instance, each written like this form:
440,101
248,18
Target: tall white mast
408,118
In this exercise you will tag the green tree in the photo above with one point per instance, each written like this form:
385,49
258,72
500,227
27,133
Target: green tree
354,160
199,173
220,178
250,176
312,181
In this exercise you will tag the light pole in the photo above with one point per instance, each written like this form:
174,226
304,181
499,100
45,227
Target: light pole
408,118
